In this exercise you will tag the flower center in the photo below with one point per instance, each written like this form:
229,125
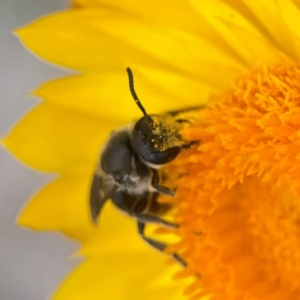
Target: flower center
238,203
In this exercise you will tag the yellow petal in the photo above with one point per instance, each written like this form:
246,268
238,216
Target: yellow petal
158,91
114,43
191,90
121,276
269,15
148,10
52,139
242,36
291,15
63,205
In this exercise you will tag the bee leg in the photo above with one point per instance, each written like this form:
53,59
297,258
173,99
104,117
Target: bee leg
180,111
157,245
180,121
163,190
148,218
187,146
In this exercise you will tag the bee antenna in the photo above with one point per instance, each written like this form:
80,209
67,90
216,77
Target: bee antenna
133,93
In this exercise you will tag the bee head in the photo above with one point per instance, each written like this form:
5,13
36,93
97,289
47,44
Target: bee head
151,141
151,137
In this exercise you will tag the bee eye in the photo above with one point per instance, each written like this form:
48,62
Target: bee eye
164,157
144,140
148,145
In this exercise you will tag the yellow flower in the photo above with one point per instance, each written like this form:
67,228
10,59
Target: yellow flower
238,203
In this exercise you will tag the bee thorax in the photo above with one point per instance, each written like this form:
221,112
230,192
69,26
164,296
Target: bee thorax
134,185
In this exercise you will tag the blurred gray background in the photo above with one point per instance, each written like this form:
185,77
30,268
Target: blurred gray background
31,264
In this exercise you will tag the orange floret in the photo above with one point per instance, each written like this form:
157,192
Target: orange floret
238,204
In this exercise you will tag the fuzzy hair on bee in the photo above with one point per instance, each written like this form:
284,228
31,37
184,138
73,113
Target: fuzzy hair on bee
128,169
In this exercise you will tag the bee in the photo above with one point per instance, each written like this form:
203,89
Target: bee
128,169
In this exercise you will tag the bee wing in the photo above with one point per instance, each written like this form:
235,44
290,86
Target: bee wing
101,191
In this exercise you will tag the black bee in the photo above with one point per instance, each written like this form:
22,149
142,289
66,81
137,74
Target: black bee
127,172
